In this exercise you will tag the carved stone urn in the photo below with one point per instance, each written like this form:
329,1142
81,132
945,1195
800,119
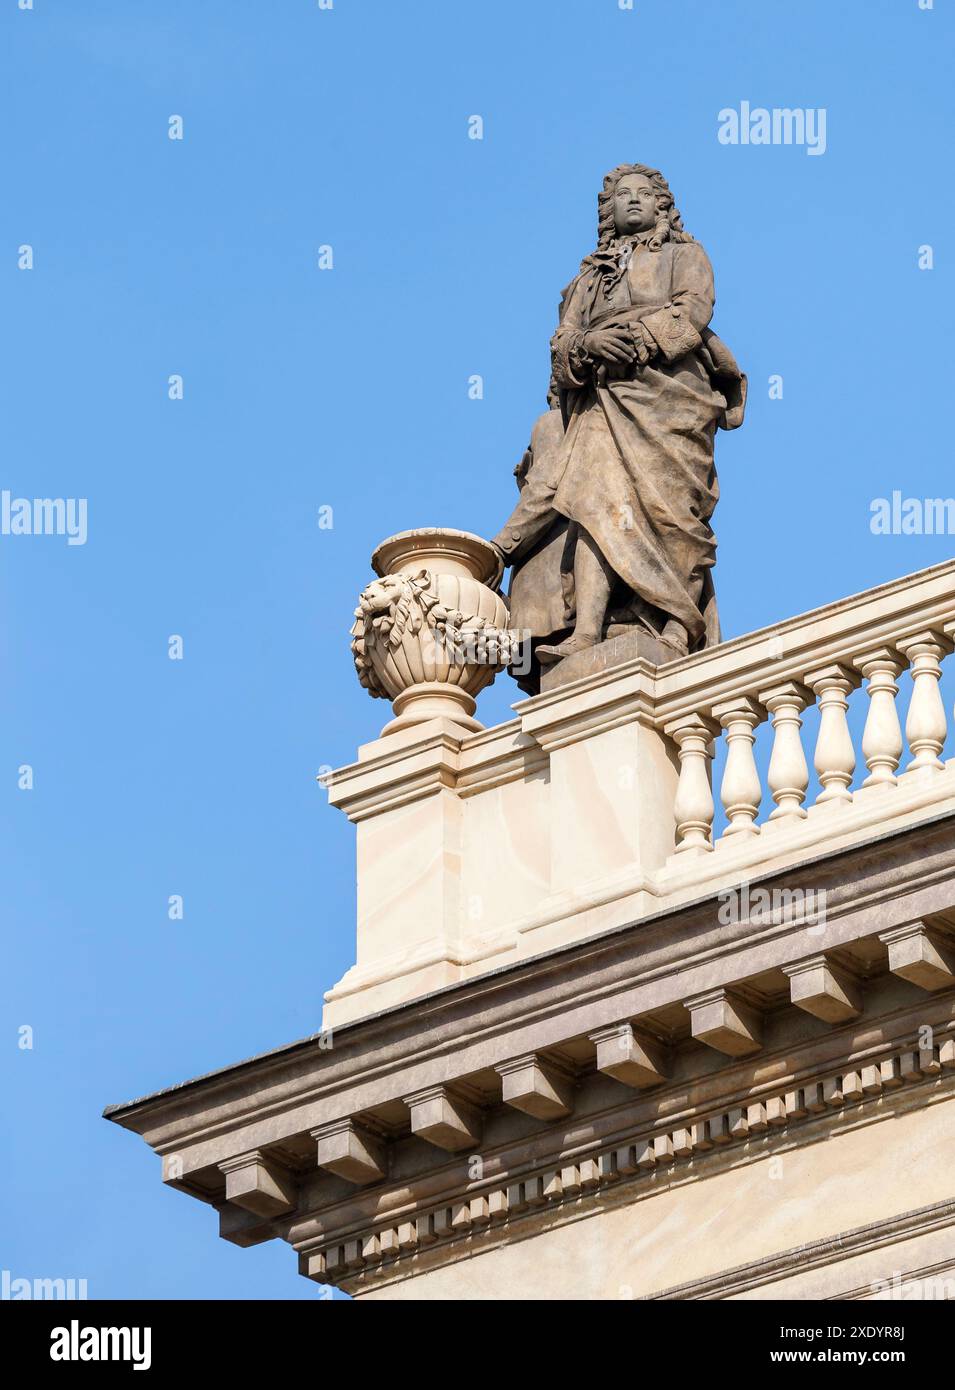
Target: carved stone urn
431,630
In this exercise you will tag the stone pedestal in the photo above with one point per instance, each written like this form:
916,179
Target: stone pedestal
626,646
474,849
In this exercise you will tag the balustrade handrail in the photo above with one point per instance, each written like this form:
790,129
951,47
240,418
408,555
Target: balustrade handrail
819,657
842,631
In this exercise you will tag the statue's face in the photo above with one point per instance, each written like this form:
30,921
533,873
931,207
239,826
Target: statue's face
634,205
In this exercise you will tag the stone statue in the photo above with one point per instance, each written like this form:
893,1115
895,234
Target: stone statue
618,485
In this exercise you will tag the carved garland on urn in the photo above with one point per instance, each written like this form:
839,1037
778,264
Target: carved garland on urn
396,608
428,637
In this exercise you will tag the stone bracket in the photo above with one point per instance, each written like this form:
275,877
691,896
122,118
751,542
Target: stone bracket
350,1152
721,1020
444,1119
920,955
630,1057
824,989
242,1228
541,1089
258,1184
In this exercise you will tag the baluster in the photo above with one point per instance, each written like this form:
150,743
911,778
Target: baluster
788,775
835,757
693,808
740,792
882,736
925,723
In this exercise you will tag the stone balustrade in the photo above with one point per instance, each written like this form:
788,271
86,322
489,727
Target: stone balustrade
770,678
473,850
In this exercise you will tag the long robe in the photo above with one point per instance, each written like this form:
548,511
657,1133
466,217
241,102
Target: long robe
636,468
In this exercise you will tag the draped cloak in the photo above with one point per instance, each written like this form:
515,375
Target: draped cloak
631,460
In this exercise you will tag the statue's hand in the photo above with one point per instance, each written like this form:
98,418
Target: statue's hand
610,345
644,346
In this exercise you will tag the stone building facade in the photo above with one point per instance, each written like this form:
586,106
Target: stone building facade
601,1043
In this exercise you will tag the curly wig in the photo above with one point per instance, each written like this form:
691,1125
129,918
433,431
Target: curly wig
669,225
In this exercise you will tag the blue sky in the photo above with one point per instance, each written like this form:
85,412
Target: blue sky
348,388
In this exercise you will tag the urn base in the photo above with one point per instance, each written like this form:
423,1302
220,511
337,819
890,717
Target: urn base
432,700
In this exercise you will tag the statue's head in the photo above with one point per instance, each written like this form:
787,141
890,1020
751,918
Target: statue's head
636,198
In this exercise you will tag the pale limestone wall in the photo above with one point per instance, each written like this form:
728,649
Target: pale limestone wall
506,851
697,1229
607,792
409,878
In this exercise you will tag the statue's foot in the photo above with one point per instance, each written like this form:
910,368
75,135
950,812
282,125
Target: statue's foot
676,636
549,655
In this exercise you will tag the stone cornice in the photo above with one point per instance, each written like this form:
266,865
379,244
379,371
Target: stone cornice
397,776
597,1074
565,993
768,1121
829,1077
607,1116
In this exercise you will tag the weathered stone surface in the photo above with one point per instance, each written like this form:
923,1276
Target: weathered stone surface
629,1057
824,990
258,1184
921,956
431,630
443,1119
540,903
577,816
349,1151
612,651
607,530
536,1087
631,1160
722,1020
